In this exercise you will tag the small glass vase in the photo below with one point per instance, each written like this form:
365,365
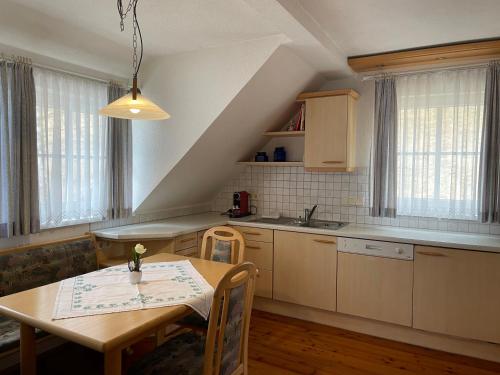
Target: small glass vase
135,277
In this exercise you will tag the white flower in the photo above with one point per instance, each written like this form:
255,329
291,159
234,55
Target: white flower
140,249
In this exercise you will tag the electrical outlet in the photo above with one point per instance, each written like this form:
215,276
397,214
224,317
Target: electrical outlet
352,201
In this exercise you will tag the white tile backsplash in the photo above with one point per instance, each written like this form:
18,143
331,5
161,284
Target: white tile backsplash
339,196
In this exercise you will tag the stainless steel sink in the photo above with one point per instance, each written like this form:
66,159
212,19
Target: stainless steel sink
323,224
289,221
279,221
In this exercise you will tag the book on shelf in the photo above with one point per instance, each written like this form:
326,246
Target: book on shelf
297,122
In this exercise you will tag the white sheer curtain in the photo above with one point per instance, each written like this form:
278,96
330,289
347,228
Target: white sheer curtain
72,148
439,140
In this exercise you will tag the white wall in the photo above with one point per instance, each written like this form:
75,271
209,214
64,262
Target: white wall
194,88
262,104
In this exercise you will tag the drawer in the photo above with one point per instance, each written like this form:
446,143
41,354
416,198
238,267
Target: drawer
264,284
186,241
260,253
256,234
189,252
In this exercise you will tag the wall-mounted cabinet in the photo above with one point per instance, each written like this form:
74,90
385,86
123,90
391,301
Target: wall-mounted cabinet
330,138
330,134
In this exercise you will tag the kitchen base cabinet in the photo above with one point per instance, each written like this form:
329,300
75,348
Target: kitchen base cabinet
375,288
457,292
305,269
264,284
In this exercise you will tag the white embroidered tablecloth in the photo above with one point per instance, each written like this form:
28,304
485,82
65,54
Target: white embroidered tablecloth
109,290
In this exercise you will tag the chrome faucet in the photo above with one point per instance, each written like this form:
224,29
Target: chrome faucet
308,214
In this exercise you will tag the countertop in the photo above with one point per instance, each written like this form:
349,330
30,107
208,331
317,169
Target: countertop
169,228
174,227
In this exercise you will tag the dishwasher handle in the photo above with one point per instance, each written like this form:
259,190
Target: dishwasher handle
372,247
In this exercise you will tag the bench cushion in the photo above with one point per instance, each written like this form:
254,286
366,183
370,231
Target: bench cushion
45,265
9,334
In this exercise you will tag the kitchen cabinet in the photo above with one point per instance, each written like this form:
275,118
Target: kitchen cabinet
260,251
457,292
375,287
330,139
261,254
187,245
305,268
255,234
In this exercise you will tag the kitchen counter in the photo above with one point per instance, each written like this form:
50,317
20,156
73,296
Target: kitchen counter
174,227
468,241
166,229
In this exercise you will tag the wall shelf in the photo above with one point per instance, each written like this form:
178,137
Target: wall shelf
273,163
285,134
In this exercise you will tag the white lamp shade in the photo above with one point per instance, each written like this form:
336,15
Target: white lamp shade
140,109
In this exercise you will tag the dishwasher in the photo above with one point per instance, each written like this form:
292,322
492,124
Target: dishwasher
375,280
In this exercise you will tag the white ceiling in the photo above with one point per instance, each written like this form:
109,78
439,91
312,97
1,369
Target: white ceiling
371,26
168,26
323,32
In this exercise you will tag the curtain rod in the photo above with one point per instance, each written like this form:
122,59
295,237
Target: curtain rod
428,70
26,60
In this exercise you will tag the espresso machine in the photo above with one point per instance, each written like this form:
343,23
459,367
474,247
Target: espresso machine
241,204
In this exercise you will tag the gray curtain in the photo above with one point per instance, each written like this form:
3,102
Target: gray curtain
489,208
384,149
120,161
19,213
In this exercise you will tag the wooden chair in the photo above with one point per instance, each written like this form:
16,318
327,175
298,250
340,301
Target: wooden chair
226,245
220,244
224,350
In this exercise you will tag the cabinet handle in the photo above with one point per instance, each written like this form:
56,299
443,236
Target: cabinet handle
430,254
325,241
253,233
333,162
253,247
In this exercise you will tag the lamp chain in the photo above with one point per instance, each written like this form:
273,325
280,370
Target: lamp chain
132,5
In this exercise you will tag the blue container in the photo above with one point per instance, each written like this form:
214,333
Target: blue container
261,156
279,154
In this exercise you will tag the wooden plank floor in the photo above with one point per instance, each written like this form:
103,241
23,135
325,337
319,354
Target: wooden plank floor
284,346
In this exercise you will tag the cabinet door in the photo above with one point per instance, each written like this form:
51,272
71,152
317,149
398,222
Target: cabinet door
261,254
326,132
457,292
305,268
375,288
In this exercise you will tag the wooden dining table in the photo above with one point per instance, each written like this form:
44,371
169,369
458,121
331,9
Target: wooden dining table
107,333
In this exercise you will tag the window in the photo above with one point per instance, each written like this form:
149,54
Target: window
72,148
440,118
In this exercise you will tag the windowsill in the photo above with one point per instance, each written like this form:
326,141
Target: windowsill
72,223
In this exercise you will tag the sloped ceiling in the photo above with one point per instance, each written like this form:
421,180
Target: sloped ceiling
195,88
262,104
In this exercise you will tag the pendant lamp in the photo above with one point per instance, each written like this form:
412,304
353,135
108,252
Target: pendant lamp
134,105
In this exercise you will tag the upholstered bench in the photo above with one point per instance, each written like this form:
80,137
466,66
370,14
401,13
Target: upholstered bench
31,266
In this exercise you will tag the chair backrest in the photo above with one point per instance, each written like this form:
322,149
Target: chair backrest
227,245
226,347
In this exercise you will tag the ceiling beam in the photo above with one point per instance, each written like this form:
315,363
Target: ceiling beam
450,54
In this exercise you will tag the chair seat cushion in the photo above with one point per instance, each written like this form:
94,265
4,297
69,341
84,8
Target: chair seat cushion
183,355
193,320
9,334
